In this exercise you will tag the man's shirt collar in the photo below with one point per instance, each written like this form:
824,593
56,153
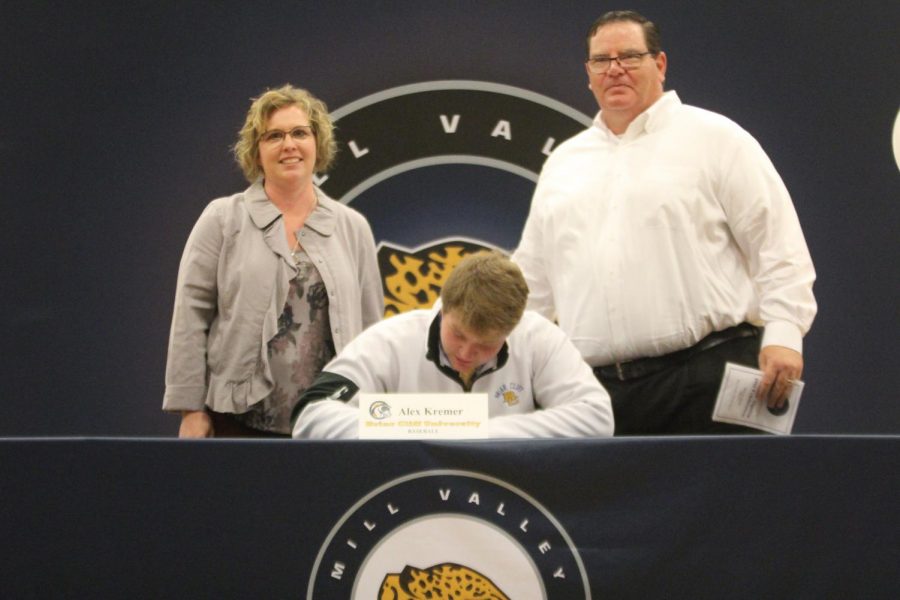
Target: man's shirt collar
648,121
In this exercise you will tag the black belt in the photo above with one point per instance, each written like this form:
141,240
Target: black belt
642,367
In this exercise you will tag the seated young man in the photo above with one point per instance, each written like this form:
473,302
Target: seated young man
478,339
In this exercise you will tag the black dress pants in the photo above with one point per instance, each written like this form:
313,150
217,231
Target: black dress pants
680,399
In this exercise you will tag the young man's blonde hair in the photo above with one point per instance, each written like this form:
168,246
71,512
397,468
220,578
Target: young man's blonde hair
486,292
246,150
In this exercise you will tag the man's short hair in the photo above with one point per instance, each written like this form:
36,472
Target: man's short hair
246,150
486,292
651,31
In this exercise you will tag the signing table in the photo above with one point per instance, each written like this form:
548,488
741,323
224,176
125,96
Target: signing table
737,517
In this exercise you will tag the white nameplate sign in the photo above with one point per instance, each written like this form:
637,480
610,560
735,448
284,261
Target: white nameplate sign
737,402
423,416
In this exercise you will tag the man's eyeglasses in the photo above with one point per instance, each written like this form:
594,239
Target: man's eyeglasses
276,136
630,61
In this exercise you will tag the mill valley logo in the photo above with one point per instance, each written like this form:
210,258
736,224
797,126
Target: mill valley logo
413,133
448,534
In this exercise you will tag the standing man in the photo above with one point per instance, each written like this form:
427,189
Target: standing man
661,239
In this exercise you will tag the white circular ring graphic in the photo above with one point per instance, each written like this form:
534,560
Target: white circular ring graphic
582,572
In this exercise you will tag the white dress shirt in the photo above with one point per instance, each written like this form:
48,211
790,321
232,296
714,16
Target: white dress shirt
642,244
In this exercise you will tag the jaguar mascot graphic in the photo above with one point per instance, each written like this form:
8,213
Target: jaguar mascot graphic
446,580
414,278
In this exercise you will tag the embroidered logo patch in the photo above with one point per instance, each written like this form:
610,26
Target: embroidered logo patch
509,393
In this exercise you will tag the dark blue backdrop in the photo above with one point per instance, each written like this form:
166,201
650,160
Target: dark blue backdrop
117,118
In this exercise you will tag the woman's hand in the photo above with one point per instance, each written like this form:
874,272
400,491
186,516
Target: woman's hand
195,424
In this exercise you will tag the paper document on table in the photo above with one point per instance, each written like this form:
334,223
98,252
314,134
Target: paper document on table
737,402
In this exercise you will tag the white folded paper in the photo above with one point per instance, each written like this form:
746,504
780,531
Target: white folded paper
737,402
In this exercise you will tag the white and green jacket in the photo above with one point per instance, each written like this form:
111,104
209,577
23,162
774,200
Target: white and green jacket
538,385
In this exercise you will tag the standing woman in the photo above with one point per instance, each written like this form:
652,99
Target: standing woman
273,280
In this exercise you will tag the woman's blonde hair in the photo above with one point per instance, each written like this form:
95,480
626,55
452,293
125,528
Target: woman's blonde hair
246,150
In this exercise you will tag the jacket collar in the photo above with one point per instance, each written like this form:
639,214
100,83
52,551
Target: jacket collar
266,216
323,219
434,351
263,213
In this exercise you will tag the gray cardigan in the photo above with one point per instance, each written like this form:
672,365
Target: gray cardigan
233,283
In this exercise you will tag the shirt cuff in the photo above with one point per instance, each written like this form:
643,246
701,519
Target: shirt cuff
782,333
